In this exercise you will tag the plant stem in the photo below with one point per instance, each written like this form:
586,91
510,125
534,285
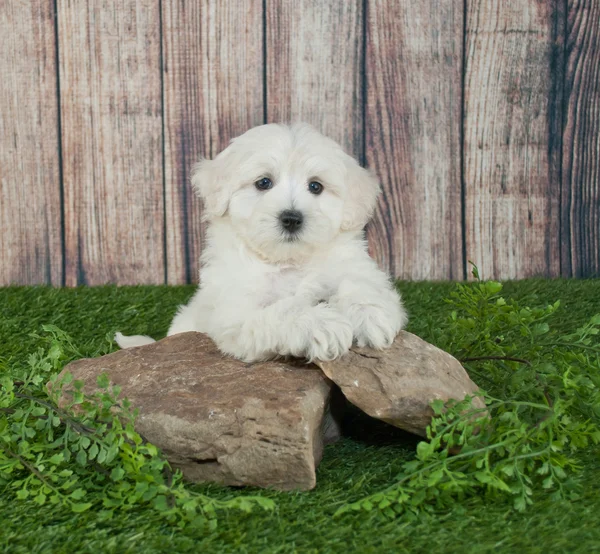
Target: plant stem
33,470
63,415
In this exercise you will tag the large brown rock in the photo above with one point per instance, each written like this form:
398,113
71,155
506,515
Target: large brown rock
397,385
219,419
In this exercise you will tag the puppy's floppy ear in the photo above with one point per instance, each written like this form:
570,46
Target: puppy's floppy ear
210,183
361,197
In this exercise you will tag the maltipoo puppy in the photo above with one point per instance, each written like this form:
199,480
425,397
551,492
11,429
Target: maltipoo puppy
285,269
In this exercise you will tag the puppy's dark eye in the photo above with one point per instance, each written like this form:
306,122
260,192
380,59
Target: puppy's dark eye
315,187
264,184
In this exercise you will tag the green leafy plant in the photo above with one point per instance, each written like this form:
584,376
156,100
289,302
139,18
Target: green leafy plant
540,387
87,453
542,395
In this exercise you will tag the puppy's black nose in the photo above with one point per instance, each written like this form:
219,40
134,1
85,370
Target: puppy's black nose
291,220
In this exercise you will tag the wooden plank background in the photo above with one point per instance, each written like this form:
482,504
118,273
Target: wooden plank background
580,198
413,111
314,56
481,118
213,91
31,248
511,147
111,122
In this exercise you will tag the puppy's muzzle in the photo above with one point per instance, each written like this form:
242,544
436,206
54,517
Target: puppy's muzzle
291,220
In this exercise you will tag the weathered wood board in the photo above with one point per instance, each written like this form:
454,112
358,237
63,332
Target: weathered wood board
111,116
213,91
30,195
413,122
313,67
512,114
580,244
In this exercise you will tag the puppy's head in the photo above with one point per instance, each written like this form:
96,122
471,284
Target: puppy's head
286,190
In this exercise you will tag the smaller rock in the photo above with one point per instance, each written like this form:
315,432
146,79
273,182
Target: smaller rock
397,385
219,419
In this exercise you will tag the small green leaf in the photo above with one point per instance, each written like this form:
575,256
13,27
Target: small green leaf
117,474
483,477
80,507
67,378
548,482
150,493
102,455
424,450
493,287
160,503
78,494
113,451
93,451
103,380
437,406
520,504
366,505
384,504
435,477
55,352
56,458
508,470
559,472
77,397
81,458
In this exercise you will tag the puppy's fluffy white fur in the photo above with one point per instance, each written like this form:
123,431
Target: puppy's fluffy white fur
266,292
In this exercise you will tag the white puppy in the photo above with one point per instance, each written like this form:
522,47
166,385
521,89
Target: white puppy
285,270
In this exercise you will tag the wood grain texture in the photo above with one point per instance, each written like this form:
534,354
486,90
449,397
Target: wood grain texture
213,91
112,141
580,244
511,152
314,61
413,121
30,196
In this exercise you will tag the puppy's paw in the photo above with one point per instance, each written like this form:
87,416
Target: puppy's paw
376,315
374,326
325,333
331,334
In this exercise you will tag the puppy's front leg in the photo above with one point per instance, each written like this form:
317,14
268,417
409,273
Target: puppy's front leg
289,327
375,310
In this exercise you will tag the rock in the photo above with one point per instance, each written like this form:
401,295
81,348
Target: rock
219,419
398,384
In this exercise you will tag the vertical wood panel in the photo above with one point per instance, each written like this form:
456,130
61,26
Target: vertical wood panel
213,91
512,143
314,62
112,141
413,65
30,211
580,244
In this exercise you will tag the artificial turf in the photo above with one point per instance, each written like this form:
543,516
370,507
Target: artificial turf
361,463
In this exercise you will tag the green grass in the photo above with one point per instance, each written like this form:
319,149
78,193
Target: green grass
361,463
